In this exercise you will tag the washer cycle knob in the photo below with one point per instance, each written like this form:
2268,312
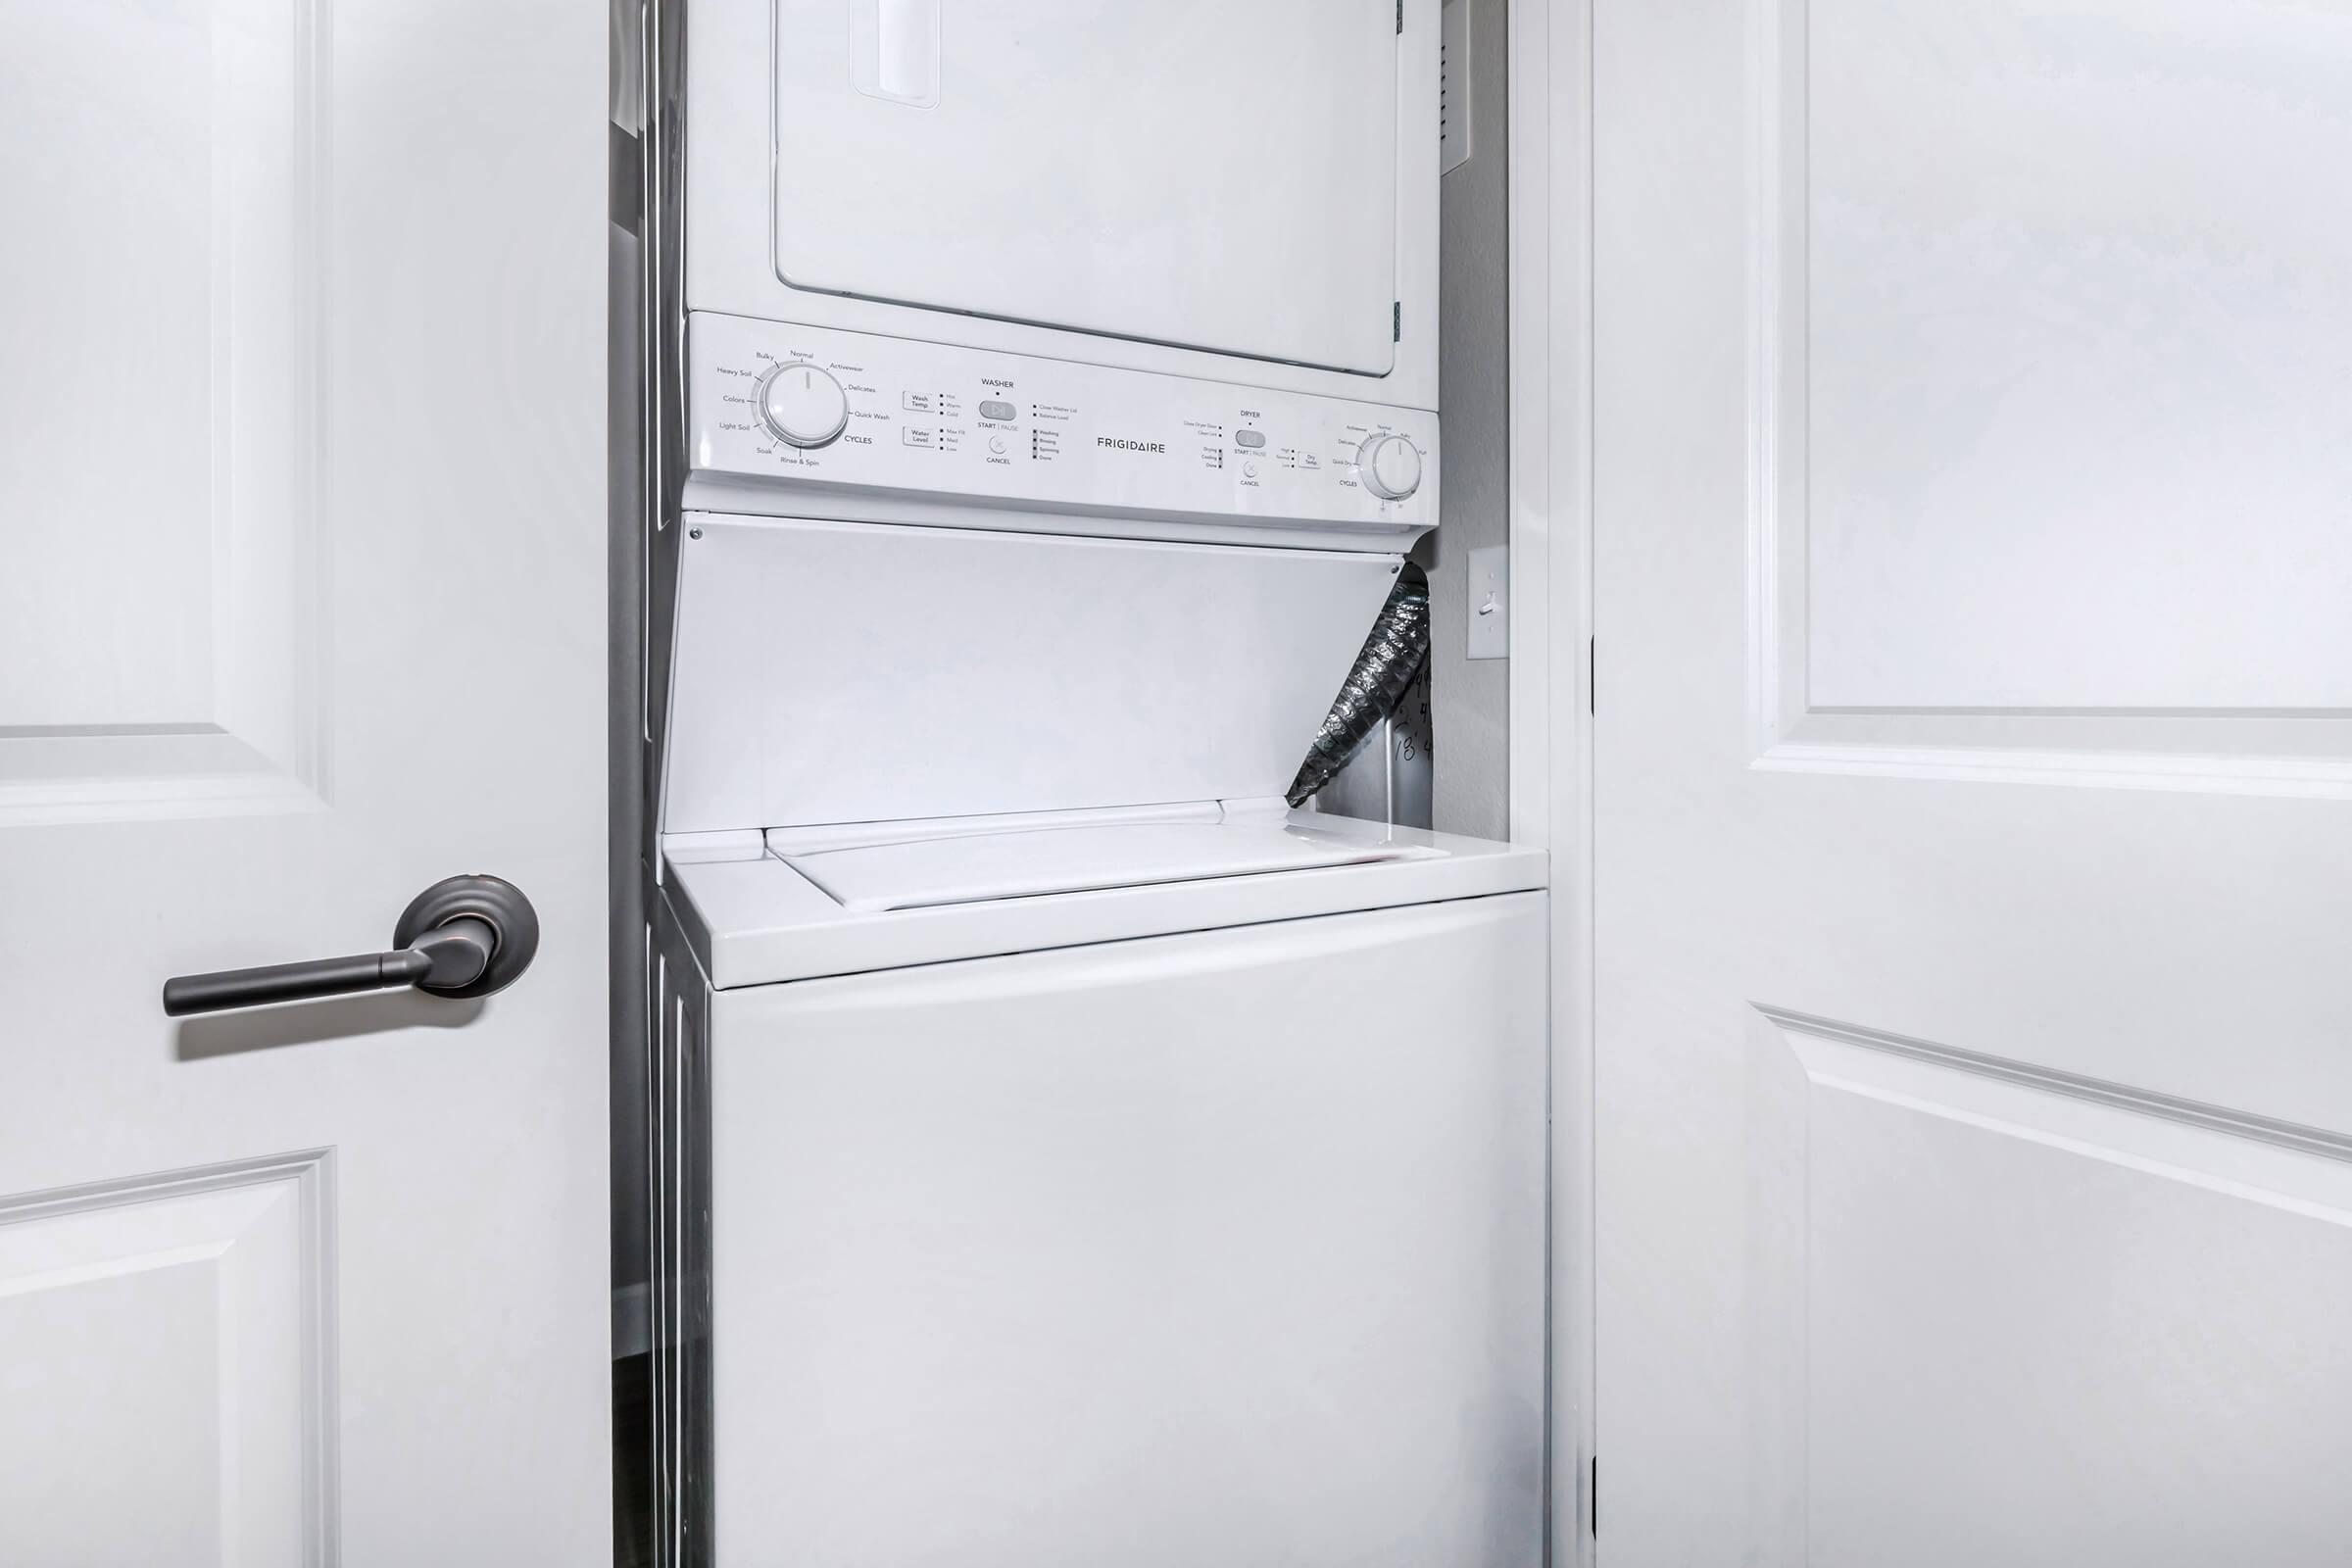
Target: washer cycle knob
1390,466
802,405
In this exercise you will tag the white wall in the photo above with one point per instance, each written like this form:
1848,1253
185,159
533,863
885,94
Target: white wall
1469,698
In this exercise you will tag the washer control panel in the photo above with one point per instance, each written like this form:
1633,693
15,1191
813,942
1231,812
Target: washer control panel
805,405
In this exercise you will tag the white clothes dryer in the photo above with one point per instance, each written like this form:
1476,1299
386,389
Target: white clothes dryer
1222,188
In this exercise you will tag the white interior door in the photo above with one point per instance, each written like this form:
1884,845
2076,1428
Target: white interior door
1974,743
302,610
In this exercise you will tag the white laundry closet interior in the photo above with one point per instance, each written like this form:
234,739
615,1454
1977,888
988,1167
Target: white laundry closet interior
1058,1145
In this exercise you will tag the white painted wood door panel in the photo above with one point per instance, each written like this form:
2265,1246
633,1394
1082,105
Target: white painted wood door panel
1973,782
300,460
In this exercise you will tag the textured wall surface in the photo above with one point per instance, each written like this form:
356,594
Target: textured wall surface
1469,699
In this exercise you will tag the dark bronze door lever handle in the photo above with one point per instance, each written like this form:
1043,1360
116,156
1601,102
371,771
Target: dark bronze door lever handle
465,936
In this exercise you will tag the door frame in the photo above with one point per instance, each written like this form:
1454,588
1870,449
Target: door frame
1551,665
1549,311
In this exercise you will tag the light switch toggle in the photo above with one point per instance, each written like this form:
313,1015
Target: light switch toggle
1490,598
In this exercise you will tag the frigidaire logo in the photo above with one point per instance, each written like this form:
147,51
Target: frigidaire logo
1130,446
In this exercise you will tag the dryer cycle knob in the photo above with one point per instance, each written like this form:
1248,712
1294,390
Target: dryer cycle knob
1390,466
802,405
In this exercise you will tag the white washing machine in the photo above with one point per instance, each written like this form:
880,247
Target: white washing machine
1081,1157
1197,1220
1068,1154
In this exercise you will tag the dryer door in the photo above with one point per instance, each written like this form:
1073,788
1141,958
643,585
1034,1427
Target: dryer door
1165,172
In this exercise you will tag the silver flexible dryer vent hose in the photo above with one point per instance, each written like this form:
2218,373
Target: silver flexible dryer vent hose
1393,655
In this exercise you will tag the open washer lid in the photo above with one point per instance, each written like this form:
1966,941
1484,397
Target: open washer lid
924,873
830,673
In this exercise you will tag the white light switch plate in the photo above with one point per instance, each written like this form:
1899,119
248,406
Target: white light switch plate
1491,603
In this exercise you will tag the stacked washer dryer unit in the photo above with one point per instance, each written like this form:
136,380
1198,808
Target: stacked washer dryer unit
1072,1156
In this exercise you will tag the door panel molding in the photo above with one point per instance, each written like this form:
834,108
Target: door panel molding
172,662
2286,749
1873,1061
1824,1330
203,1303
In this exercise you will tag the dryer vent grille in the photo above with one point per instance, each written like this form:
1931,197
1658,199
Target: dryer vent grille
1453,87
